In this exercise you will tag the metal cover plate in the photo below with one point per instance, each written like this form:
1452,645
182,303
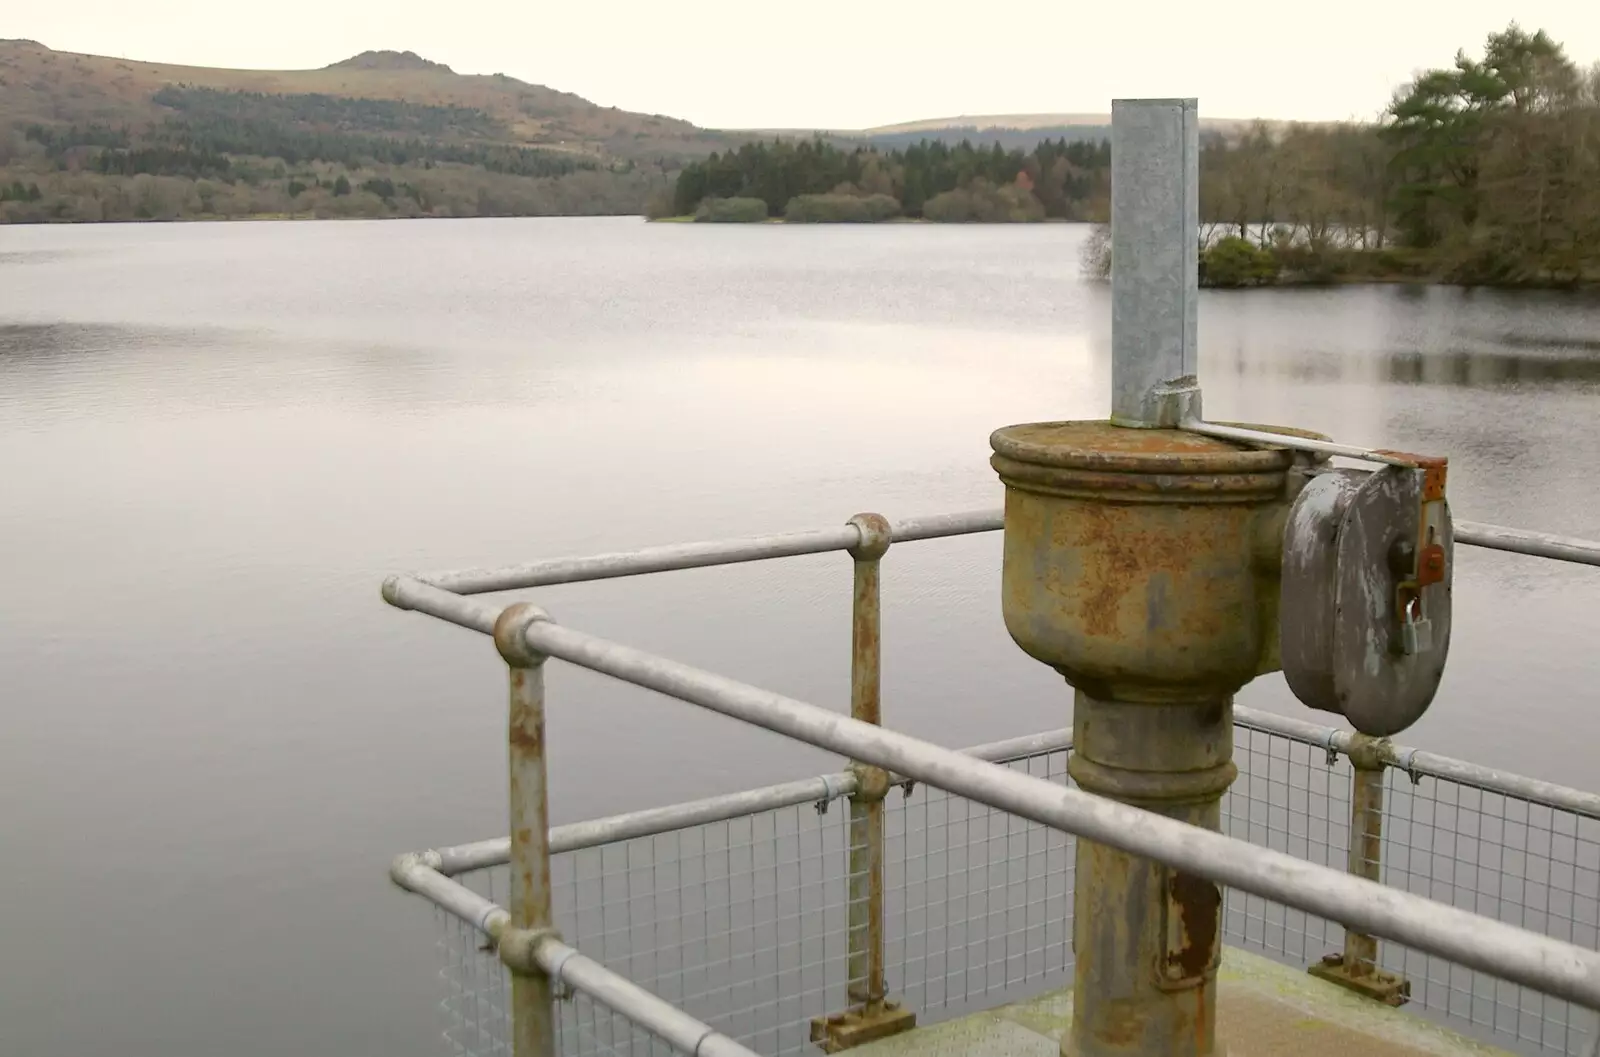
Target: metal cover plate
1340,634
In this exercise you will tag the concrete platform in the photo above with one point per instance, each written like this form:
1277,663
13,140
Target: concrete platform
1264,1009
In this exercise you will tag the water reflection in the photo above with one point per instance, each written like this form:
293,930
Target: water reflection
1478,368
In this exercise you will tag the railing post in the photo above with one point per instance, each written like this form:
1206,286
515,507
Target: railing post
532,1010
1357,968
870,1015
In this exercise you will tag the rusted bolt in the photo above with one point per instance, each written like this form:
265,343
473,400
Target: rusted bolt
511,634
872,783
875,537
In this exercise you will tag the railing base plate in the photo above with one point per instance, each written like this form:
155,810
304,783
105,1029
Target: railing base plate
1391,989
854,1027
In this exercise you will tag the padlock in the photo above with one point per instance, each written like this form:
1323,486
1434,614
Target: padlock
1364,615
1416,631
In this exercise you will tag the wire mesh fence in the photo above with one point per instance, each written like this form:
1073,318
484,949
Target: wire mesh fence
744,924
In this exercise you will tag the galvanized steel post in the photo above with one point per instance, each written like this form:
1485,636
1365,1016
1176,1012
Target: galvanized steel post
871,1015
1357,968
1155,240
532,1011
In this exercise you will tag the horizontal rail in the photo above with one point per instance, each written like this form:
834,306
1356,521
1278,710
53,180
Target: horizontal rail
407,592
567,967
441,594
1521,541
1510,953
1417,763
415,873
460,858
703,554
651,821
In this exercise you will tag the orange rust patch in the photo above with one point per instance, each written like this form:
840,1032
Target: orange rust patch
1435,471
1123,1024
1198,902
1120,560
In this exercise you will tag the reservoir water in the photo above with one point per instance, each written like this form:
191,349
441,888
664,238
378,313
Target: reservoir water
216,439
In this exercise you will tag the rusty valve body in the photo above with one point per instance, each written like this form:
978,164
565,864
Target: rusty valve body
1143,565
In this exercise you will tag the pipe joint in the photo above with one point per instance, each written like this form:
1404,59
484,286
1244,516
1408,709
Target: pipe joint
400,869
876,535
519,949
511,634
394,592
872,783
1368,753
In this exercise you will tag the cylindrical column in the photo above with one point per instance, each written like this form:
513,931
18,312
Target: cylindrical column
1146,936
867,986
1155,243
1139,564
532,1012
870,1014
1366,852
1357,967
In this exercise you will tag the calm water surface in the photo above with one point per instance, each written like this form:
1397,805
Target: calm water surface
216,439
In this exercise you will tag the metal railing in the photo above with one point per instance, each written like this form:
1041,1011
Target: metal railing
740,917
1370,911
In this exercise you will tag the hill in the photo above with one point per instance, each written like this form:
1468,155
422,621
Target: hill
1010,131
89,137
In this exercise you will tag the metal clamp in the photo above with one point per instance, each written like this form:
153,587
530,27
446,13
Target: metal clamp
1328,747
832,790
559,988
1406,761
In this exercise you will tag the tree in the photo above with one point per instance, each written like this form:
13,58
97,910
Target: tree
341,186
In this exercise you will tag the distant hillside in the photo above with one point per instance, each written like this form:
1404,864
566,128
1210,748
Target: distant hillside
406,135
1010,131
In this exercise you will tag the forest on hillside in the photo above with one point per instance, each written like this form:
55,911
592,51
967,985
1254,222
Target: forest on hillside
1484,171
233,153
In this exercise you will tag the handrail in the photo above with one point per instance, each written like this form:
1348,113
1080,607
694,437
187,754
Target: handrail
568,967
451,860
1558,969
704,553
1522,541
648,822
707,553
1417,763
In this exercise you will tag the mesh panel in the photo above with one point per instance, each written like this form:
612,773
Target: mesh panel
743,924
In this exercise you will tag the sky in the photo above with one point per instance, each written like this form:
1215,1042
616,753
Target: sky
846,63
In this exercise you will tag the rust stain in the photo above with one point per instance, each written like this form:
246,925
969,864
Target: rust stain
1198,902
1435,471
866,645
876,983
526,721
1123,1023
1120,558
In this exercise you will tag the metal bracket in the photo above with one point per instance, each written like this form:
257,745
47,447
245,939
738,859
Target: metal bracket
1406,761
831,791
559,988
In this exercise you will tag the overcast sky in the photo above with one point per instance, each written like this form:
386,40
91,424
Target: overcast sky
838,64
